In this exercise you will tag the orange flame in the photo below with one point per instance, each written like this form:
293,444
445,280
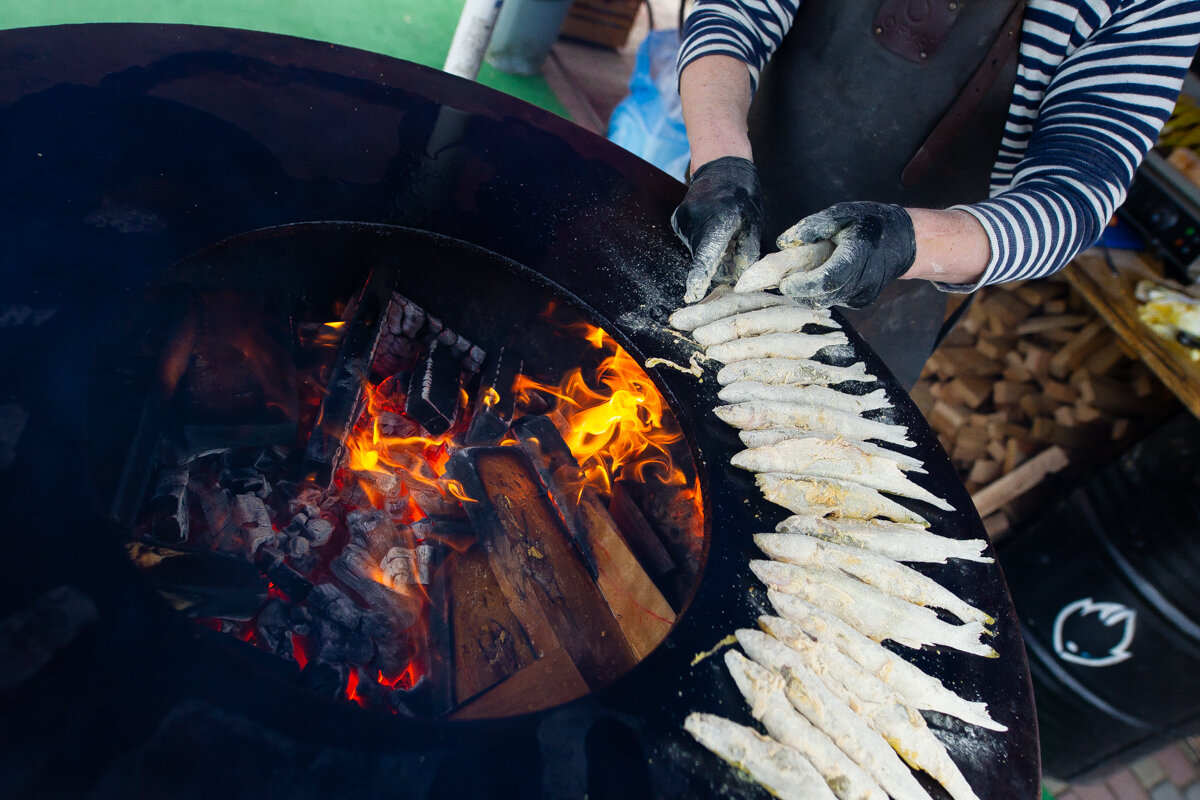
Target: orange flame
619,429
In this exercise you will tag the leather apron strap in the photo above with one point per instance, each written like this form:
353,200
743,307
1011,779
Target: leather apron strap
849,101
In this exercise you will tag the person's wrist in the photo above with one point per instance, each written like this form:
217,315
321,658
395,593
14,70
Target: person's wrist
704,151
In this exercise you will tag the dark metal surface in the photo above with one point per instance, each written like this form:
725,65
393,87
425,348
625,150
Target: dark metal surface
125,148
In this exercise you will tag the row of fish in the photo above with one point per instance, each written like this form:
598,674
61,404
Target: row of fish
841,712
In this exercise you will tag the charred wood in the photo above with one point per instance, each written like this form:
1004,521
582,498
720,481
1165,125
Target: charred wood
344,396
559,472
336,643
201,583
329,600
433,391
272,563
494,402
253,523
324,678
272,627
355,568
169,506
218,515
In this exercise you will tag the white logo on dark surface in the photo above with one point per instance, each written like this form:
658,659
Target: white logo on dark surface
1094,634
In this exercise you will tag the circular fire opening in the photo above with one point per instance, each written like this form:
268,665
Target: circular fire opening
417,472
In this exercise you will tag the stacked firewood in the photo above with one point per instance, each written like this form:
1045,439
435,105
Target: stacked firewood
1029,380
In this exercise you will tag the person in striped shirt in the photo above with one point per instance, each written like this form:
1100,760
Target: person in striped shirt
1094,82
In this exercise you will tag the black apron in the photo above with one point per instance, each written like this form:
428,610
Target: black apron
854,92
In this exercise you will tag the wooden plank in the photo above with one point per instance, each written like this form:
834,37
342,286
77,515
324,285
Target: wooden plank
1112,297
490,643
549,681
536,562
999,493
640,609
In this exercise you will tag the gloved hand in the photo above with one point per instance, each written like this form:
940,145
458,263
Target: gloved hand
720,220
874,244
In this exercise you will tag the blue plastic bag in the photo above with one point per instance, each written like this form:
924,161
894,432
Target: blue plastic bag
649,121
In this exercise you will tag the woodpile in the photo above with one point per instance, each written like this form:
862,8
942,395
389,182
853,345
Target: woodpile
1029,381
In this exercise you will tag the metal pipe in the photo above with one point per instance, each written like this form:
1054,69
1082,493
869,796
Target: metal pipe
471,37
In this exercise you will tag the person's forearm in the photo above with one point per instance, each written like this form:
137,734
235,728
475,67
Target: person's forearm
715,92
952,247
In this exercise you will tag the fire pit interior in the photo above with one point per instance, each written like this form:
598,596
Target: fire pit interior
425,478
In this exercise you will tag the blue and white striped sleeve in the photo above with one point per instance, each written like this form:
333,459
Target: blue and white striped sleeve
1068,156
748,30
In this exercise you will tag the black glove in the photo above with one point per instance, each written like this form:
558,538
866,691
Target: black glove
720,220
875,244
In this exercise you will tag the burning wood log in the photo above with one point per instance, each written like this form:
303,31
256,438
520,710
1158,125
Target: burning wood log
344,397
433,392
559,472
495,401
535,560
355,568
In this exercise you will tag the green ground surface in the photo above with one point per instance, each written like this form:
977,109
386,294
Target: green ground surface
416,30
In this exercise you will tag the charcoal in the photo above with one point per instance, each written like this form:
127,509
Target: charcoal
300,620
169,506
246,480
325,679
376,625
318,531
298,547
400,567
271,460
369,693
272,626
425,558
331,601
218,515
31,637
286,579
355,567
373,529
434,389
334,642
254,522
296,526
